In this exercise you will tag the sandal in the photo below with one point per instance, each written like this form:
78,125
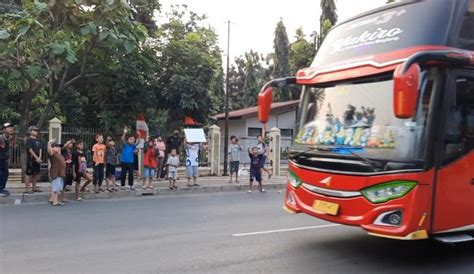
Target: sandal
96,191
37,190
196,185
58,204
79,199
189,185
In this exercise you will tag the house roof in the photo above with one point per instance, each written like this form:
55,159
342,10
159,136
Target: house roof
252,111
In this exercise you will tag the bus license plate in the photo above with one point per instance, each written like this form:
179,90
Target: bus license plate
326,207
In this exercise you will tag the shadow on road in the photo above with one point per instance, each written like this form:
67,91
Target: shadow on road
377,254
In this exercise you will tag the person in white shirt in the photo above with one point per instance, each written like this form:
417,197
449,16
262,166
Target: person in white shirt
173,164
192,162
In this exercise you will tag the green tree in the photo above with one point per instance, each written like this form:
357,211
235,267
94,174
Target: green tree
143,12
301,52
191,67
281,66
327,19
301,55
46,48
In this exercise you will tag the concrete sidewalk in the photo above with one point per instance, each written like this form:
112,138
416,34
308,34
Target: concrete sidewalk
207,184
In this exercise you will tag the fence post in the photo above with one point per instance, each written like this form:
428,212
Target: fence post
55,129
214,149
275,150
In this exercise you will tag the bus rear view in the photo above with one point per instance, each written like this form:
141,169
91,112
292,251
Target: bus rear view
386,123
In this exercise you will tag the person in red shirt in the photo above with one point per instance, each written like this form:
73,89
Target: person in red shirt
150,163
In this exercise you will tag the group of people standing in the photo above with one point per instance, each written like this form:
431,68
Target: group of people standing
69,162
258,155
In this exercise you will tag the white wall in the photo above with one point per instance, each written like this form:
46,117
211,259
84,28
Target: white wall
282,119
236,128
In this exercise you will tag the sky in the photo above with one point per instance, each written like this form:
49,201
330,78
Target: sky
253,22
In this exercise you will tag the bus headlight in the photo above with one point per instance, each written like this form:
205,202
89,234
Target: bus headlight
294,180
388,191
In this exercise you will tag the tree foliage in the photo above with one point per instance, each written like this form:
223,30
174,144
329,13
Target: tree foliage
191,67
46,48
301,52
327,19
281,67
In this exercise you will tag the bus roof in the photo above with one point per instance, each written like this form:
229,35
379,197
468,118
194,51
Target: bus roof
378,40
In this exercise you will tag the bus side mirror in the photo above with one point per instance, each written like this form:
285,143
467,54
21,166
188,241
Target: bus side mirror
264,104
405,91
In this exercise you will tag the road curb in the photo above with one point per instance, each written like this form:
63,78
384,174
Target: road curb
22,198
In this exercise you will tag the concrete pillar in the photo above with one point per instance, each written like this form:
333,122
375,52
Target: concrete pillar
55,129
275,150
214,149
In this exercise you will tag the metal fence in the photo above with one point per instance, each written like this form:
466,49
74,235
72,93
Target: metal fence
79,133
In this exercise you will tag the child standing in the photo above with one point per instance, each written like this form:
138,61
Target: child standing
98,159
79,161
111,160
127,159
70,171
263,153
173,164
150,163
234,158
255,170
57,171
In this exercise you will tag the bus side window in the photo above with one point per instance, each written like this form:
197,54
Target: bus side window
459,137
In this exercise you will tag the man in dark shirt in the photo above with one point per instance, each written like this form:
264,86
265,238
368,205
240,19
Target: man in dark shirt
6,140
173,142
34,150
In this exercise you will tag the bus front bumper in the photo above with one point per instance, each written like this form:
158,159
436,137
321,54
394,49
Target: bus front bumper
376,219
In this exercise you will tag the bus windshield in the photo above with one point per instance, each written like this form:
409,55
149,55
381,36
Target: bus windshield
359,118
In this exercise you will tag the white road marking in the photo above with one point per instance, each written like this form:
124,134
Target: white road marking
284,230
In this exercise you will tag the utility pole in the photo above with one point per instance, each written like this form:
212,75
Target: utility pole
226,125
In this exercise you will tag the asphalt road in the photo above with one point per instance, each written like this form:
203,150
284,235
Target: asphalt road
204,233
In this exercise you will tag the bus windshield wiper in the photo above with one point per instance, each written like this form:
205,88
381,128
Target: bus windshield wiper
342,150
350,150
311,149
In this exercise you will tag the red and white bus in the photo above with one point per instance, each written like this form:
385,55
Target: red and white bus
385,131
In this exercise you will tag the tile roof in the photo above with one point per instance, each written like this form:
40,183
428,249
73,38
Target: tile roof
252,111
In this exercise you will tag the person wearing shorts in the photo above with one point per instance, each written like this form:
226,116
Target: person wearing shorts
150,163
34,151
173,163
110,164
192,162
255,170
57,172
262,154
70,172
234,158
79,160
